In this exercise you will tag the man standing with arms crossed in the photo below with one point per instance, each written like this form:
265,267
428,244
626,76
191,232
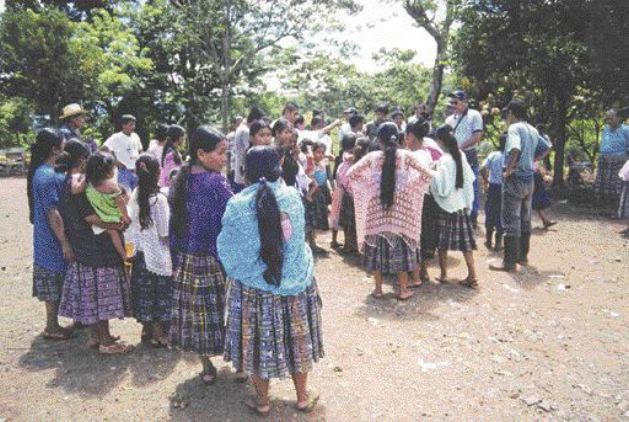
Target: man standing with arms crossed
468,131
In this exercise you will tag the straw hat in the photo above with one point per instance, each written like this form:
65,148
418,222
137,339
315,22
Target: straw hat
72,110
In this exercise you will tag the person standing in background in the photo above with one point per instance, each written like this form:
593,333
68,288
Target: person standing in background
126,147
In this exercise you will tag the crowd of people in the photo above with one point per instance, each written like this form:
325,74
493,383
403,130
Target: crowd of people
212,250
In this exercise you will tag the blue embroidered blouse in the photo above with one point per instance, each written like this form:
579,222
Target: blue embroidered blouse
239,242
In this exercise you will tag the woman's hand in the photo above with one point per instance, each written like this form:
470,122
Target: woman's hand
68,253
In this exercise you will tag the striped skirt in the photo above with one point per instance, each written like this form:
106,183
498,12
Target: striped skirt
93,294
152,293
455,231
430,228
608,185
273,336
389,256
47,285
198,305
320,201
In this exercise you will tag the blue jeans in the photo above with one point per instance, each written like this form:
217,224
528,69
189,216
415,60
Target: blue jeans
472,160
127,178
517,206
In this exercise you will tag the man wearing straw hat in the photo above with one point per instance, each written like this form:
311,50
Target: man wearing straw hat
73,119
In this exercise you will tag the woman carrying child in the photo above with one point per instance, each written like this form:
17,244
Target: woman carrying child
96,288
389,188
453,191
274,319
198,199
151,279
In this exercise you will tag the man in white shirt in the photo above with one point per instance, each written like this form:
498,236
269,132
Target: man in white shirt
468,131
241,145
125,147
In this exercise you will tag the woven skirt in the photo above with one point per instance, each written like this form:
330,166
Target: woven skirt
623,207
347,220
430,228
389,256
93,294
198,305
455,231
320,201
151,293
273,336
47,285
608,185
493,208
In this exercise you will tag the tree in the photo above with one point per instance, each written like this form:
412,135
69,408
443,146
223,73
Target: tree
235,33
425,13
532,49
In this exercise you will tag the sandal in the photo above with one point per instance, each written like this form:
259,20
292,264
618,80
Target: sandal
472,283
115,348
442,280
254,405
241,377
401,298
313,398
376,295
549,224
208,377
416,284
60,335
93,343
159,342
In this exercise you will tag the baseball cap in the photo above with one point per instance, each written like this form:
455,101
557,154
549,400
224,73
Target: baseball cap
459,94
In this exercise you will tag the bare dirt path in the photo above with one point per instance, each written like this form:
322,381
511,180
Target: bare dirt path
548,344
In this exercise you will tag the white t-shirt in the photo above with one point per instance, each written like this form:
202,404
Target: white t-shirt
155,150
126,148
471,122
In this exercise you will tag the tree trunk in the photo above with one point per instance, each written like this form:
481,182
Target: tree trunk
227,69
437,80
225,105
559,124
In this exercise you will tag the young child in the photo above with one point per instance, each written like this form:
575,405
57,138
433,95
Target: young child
171,159
151,279
541,197
321,197
491,172
342,214
106,197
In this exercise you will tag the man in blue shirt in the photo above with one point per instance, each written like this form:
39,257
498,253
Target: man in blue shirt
613,155
524,147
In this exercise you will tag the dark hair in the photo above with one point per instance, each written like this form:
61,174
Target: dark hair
419,128
290,106
41,150
361,148
518,108
382,108
304,144
174,133
262,164
257,126
161,131
348,142
290,167
280,125
147,168
316,121
355,120
99,167
317,145
204,138
502,142
446,136
255,113
73,151
374,146
300,120
126,118
388,136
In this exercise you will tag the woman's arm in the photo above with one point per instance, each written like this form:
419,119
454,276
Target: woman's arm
57,226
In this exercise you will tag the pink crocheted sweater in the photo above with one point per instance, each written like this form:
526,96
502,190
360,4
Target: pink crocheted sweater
404,217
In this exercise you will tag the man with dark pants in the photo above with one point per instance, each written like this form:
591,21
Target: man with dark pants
523,148
468,131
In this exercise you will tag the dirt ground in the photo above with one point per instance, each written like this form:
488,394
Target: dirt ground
550,343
